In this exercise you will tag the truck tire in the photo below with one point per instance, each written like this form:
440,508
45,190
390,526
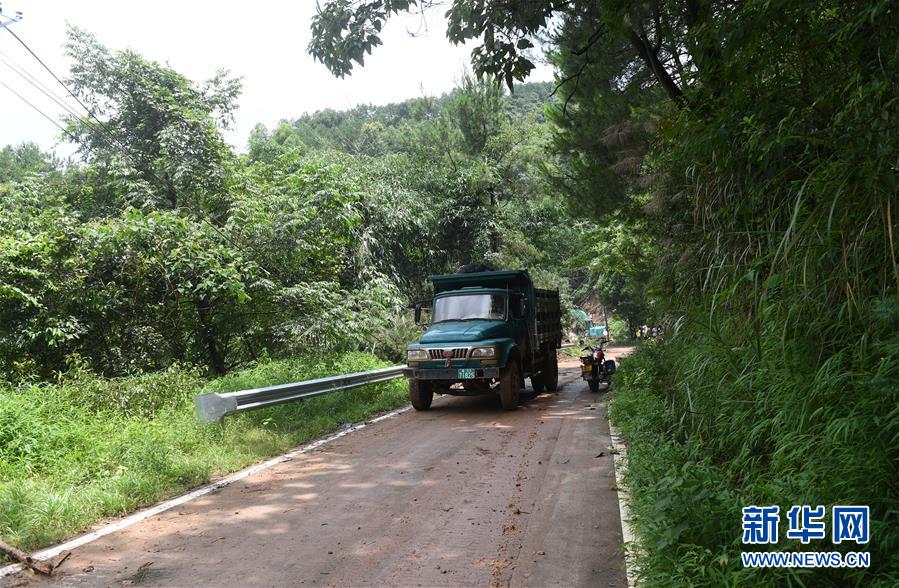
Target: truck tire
510,385
551,371
420,394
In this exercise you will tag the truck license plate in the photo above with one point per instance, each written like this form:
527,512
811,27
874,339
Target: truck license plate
466,374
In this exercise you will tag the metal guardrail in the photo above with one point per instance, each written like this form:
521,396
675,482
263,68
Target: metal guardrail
215,406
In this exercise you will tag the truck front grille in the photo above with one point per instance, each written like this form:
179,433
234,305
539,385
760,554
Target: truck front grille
457,353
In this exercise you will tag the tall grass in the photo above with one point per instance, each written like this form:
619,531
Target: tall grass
86,448
779,379
713,427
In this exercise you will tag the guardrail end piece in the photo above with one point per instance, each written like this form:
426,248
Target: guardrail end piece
212,408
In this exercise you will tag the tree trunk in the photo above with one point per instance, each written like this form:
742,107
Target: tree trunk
207,335
19,555
644,49
494,230
707,54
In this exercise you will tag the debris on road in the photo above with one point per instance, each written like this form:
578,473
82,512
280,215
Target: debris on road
43,567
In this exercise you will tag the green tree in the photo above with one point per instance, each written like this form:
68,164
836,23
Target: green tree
621,262
37,284
21,161
154,134
659,37
478,113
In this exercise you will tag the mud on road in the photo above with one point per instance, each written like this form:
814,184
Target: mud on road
463,494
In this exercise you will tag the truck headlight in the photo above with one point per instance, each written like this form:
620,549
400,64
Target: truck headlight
483,353
416,354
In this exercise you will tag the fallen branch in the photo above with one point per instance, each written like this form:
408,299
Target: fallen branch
25,559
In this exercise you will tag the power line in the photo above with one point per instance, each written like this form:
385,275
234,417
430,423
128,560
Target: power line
50,71
41,112
4,55
36,84
99,127
91,121
59,100
94,125
129,156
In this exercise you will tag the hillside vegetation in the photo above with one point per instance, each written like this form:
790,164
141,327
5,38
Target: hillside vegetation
166,247
725,169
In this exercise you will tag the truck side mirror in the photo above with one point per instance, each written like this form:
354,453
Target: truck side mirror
418,314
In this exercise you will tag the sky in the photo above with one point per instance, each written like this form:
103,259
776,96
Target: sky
263,42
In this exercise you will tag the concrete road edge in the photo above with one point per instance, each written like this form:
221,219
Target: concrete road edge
619,452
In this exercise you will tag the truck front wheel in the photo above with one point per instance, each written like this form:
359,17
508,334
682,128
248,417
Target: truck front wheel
420,394
510,385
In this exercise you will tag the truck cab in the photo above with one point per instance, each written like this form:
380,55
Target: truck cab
488,332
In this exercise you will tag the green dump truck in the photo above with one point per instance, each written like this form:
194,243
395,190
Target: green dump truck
488,332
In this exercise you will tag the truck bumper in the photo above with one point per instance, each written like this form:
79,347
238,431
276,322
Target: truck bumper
485,373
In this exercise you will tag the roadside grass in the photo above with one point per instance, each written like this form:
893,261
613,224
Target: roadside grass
712,427
575,351
88,448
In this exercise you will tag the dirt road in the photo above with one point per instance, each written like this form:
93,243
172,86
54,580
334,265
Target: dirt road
465,494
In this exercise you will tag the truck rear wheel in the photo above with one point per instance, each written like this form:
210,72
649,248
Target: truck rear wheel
420,394
510,385
551,371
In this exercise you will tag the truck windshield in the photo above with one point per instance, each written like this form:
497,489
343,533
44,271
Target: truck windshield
470,306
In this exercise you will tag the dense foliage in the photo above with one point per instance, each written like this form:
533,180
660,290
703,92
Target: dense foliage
769,194
166,247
